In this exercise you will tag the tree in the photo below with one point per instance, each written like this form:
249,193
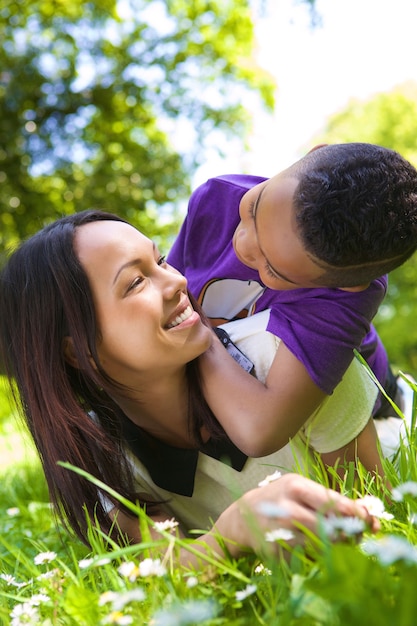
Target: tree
91,94
390,120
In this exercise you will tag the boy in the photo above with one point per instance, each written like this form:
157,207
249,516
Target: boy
311,245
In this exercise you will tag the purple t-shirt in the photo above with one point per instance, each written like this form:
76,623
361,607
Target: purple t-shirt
320,326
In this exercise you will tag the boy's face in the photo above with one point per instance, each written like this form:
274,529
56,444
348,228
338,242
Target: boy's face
266,238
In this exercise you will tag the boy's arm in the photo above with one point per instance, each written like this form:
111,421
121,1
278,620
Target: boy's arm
259,418
364,447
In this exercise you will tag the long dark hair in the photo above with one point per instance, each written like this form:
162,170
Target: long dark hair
45,296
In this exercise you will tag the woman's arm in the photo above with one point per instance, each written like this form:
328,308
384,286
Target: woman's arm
301,501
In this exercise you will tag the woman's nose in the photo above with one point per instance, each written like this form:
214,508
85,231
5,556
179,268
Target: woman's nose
173,281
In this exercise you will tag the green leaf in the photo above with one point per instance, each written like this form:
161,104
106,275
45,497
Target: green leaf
81,604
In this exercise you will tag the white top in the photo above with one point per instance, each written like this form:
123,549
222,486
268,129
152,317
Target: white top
338,420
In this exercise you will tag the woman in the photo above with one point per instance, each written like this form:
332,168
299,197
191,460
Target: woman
101,339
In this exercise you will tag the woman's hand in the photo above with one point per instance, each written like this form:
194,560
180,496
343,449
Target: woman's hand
291,502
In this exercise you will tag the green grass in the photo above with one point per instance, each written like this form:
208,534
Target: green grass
366,582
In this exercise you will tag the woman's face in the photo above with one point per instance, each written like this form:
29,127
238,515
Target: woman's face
144,315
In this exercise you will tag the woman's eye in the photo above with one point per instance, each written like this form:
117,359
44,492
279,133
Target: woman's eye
135,283
161,260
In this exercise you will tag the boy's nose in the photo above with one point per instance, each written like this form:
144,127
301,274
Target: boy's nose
248,246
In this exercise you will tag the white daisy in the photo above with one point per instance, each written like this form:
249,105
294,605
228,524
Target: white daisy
375,507
270,479
13,511
390,549
244,593
409,488
168,524
152,567
279,534
44,557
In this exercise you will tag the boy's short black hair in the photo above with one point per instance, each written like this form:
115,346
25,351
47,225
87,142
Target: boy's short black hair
356,211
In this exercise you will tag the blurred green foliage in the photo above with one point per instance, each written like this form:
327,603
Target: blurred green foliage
92,93
390,120
6,404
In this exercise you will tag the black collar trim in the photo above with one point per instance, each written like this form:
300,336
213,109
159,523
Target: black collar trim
173,468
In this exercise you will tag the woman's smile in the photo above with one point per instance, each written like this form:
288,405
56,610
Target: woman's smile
181,317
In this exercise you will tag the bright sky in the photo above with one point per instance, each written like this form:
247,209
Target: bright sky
361,48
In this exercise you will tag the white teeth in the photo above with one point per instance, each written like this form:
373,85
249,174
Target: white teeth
181,318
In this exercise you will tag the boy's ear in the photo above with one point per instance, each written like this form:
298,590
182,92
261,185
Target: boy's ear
358,288
317,147
69,352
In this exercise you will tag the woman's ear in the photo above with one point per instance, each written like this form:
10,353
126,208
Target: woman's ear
70,356
69,352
